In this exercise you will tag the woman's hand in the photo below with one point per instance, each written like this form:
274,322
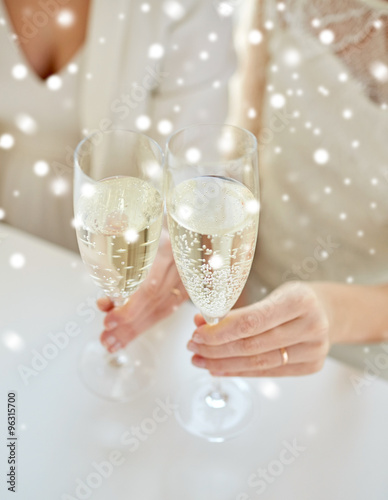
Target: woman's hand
160,295
287,333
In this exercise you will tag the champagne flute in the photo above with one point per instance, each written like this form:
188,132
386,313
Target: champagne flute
118,206
213,214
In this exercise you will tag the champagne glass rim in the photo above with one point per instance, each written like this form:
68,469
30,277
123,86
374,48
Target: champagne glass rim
77,151
220,125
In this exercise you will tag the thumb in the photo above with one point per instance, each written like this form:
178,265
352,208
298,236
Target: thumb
199,320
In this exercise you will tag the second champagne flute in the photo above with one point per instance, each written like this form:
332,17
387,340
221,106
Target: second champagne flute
213,214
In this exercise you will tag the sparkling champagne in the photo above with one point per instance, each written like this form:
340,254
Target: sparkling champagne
213,224
118,222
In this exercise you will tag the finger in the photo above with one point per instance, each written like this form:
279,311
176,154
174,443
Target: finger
168,304
165,244
148,290
291,333
153,287
299,353
235,365
174,289
199,320
134,308
171,294
121,336
287,304
294,370
105,304
148,296
116,315
162,266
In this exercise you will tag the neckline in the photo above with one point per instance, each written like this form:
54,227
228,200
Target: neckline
23,58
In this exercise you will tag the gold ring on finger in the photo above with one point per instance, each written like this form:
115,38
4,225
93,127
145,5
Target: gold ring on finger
284,353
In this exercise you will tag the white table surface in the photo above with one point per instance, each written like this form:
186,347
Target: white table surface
63,429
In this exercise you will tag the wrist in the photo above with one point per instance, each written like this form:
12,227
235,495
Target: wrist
356,313
332,300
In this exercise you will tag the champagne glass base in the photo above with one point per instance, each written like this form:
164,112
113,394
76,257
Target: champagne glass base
216,420
121,376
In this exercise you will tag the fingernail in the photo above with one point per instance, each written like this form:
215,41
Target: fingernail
116,347
200,362
197,338
192,347
110,340
111,325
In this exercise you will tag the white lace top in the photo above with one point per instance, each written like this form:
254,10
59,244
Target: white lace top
324,144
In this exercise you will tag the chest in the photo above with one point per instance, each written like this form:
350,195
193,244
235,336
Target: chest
50,34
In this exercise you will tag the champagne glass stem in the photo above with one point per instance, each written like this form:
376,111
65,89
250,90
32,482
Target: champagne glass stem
119,301
120,357
216,398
